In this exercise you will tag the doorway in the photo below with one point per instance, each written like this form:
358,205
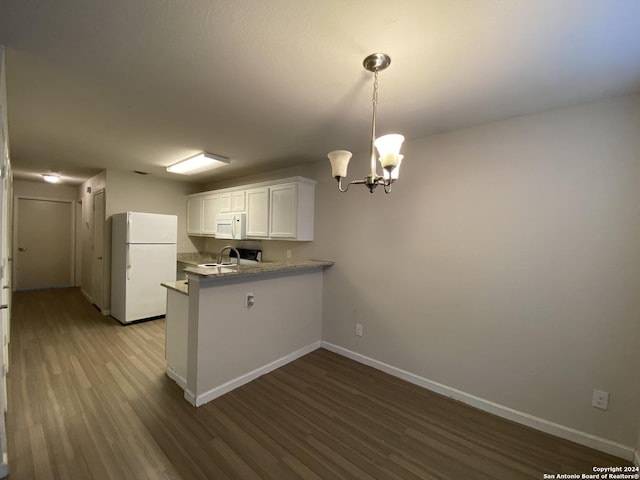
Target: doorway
97,252
44,243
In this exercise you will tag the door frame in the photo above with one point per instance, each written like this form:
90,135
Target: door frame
16,223
100,303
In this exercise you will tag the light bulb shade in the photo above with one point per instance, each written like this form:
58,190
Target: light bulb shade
51,177
395,173
339,162
388,147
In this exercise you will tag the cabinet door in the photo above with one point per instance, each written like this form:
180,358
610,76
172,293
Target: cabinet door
194,216
176,337
238,203
283,209
225,202
210,208
258,213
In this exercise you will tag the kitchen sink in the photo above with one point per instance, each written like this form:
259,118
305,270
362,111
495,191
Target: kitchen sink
220,267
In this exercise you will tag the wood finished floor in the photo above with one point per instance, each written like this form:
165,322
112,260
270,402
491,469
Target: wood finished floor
88,399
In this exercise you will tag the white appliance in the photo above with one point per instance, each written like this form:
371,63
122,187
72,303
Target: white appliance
143,254
231,226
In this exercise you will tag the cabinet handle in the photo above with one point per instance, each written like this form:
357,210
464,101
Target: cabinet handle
2,307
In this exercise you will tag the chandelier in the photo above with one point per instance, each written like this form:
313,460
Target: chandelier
388,146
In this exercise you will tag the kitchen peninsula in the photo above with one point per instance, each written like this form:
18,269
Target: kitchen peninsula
227,327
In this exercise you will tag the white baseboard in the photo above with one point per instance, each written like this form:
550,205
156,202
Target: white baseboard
197,400
190,397
86,296
89,299
173,375
537,423
636,458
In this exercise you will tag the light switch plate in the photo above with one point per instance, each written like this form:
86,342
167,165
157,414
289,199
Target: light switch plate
600,400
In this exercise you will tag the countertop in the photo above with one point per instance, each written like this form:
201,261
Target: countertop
180,286
258,268
246,271
196,258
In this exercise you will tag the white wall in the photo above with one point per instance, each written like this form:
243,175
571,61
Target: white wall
505,264
22,188
128,191
637,455
285,321
5,248
4,124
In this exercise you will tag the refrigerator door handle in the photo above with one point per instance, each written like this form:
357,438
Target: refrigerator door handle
128,264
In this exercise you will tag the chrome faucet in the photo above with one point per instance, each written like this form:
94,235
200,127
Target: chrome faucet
229,247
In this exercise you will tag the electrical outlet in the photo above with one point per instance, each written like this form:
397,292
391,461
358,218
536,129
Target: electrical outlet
289,253
600,400
359,331
250,300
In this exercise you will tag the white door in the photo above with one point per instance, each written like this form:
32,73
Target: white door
43,256
97,259
5,265
5,275
148,266
5,262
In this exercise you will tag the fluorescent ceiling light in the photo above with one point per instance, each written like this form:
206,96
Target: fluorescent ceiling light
51,177
200,163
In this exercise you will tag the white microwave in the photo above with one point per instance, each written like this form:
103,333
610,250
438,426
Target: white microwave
232,226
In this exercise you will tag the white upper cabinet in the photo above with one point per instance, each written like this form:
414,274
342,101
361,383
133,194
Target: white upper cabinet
258,212
280,209
233,202
201,214
282,218
210,208
291,211
225,202
238,202
194,215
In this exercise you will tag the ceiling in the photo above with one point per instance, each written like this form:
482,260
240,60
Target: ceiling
140,84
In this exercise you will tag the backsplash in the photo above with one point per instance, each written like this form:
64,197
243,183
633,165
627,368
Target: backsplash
272,250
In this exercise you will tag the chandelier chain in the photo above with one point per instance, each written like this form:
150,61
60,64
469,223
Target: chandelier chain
374,101
374,98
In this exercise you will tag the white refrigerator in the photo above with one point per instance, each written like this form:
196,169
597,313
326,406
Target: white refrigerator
143,254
